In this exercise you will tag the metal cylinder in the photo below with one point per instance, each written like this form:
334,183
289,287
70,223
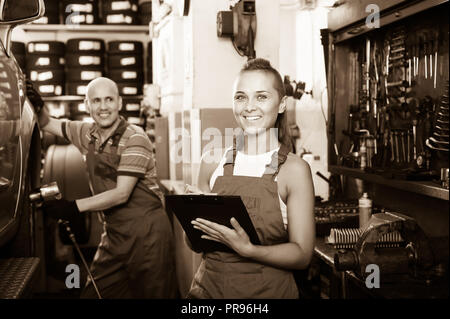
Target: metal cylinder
46,193
50,192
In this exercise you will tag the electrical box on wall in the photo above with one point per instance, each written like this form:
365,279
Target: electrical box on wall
240,25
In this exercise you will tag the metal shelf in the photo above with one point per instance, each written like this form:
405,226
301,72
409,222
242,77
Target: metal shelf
70,98
426,188
64,98
85,28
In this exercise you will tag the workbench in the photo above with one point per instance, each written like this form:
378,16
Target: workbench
347,284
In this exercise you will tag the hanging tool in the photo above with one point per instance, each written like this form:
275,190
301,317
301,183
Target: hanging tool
435,49
414,122
367,74
402,139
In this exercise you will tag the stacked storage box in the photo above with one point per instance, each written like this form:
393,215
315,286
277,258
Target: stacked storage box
80,12
145,12
19,51
125,67
120,12
85,61
45,66
51,15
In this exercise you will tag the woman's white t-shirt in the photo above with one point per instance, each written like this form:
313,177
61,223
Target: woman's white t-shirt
250,165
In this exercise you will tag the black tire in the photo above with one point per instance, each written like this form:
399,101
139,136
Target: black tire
49,89
85,45
76,88
52,7
64,164
81,19
113,6
145,12
145,7
126,75
85,60
81,6
47,76
145,19
127,114
130,88
80,75
121,61
125,47
135,120
48,19
121,18
131,104
46,48
43,61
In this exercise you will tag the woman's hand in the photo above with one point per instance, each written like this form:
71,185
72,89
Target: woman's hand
236,238
190,189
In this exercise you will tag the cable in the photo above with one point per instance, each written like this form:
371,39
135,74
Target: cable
236,48
72,237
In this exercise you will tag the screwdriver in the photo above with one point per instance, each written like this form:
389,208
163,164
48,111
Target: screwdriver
425,51
435,49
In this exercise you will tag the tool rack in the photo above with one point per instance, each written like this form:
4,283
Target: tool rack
387,80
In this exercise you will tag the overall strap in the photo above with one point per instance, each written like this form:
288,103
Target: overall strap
90,164
278,159
228,166
117,136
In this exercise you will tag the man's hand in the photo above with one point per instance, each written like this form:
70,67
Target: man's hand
61,209
38,104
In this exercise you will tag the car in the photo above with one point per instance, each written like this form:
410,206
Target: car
20,155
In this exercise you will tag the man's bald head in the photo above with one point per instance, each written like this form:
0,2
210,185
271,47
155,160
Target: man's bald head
103,101
103,82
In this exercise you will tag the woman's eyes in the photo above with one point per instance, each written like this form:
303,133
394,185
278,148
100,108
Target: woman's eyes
242,98
262,97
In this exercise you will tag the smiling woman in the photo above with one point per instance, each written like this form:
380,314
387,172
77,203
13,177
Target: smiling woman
258,168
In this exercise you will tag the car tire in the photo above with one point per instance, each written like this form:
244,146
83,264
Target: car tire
64,164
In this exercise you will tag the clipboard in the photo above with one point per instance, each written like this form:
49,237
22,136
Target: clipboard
215,208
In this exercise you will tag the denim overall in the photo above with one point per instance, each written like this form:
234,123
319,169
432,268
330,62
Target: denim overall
135,258
230,276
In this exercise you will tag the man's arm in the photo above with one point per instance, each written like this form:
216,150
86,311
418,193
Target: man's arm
109,198
54,126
